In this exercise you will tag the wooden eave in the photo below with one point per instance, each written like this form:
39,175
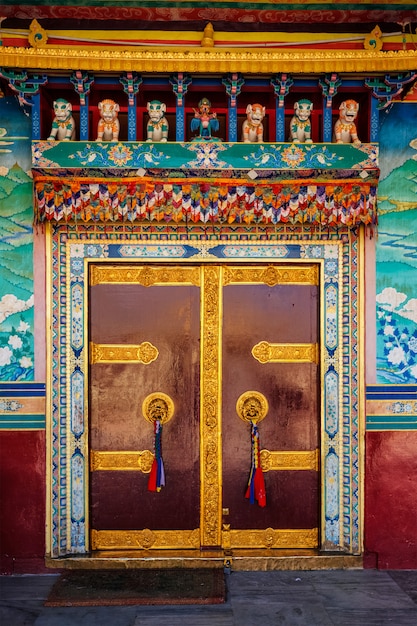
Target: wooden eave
208,60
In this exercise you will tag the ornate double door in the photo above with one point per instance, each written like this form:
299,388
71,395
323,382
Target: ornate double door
199,374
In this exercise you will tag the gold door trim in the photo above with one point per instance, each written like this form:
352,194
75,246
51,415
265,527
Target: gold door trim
290,460
271,538
144,275
272,275
144,353
210,407
266,352
145,539
123,461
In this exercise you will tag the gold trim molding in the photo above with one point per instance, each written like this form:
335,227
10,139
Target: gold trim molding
272,538
140,461
290,460
145,539
198,60
272,275
266,352
144,353
144,275
210,408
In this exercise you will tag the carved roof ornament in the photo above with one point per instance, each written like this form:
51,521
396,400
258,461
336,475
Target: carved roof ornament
373,41
208,36
38,37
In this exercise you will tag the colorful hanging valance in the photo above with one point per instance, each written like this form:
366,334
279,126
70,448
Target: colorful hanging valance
343,202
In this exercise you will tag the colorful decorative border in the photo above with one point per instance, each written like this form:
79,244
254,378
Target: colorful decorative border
206,157
207,182
74,247
391,407
22,406
339,203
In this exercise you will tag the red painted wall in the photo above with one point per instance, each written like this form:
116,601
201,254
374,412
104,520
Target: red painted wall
22,502
391,500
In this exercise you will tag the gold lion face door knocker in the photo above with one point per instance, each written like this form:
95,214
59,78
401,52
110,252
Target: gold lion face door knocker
158,409
252,407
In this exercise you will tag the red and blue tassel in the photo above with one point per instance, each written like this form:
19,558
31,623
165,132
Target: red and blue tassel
157,475
256,483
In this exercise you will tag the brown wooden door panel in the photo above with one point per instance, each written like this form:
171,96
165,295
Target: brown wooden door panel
280,314
168,317
291,500
121,501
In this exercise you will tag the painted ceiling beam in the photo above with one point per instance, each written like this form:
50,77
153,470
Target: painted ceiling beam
267,11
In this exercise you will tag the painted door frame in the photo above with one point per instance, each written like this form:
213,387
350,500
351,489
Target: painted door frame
340,257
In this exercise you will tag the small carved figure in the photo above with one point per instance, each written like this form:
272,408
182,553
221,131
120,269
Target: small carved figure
108,127
204,120
63,125
253,129
345,127
300,126
157,127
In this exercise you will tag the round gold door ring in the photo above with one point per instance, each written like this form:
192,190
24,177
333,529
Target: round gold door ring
158,406
252,406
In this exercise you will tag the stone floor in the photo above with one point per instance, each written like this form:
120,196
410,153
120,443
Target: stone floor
275,598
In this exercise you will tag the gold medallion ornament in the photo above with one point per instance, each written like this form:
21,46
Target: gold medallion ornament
252,406
158,406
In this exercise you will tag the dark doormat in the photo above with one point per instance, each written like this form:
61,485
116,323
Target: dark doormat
138,586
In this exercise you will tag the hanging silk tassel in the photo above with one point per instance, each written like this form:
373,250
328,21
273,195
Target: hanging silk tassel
256,483
157,475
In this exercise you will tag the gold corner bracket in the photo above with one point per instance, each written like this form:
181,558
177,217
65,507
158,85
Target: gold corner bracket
290,460
143,353
266,352
103,460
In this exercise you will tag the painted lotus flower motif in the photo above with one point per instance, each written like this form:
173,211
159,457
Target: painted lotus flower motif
399,341
120,154
293,155
207,156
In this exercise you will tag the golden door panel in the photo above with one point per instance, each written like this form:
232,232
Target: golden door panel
282,319
144,339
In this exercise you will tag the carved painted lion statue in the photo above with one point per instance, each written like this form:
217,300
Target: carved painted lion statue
157,127
63,125
300,125
253,128
345,128
108,127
